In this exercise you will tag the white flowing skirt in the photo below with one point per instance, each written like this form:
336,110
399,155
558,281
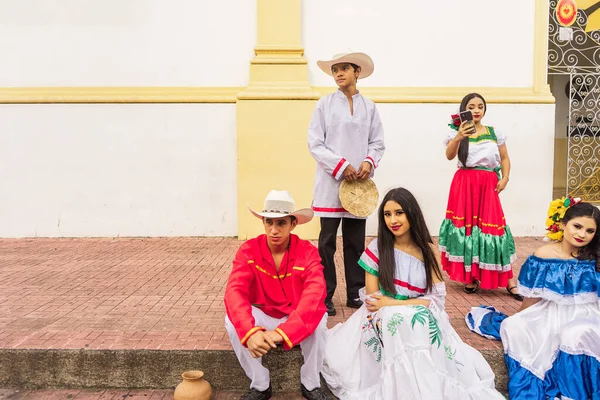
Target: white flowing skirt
409,352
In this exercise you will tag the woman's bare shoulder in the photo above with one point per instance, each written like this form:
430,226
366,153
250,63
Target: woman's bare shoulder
550,250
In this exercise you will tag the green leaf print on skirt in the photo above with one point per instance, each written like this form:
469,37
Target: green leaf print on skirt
422,315
393,323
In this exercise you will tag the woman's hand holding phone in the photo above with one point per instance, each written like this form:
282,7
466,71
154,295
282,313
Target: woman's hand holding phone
466,129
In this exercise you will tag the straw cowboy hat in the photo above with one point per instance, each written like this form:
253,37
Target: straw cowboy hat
279,204
361,59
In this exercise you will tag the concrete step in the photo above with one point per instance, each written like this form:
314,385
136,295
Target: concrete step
160,369
122,394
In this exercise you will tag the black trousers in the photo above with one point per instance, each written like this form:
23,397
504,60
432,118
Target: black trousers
353,237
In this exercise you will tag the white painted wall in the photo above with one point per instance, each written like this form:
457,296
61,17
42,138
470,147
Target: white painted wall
126,42
170,170
415,159
425,43
118,170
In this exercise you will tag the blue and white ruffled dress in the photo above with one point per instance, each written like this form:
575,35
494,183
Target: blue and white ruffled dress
552,349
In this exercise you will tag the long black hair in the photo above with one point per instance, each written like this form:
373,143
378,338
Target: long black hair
419,235
592,250
463,148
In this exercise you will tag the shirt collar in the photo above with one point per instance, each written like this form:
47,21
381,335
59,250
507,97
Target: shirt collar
265,252
354,97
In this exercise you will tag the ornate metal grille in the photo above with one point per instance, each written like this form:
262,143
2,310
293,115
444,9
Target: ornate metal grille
575,51
583,163
572,48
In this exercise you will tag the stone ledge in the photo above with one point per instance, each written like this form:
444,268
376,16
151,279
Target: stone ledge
43,369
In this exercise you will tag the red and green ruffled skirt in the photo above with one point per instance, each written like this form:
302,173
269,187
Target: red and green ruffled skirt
475,242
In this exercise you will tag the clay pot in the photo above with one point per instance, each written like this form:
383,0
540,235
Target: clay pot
193,387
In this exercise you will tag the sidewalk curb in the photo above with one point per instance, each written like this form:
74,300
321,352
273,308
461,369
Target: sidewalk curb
158,369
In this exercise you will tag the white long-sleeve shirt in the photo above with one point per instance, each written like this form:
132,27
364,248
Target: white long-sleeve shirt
336,139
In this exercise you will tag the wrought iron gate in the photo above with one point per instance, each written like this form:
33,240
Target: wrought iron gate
583,162
574,51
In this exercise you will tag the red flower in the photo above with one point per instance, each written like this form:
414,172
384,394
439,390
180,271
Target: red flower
455,119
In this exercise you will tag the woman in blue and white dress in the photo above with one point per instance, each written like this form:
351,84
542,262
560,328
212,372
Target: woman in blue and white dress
400,343
552,345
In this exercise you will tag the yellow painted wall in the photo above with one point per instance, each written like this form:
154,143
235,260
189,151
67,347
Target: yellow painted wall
560,163
273,154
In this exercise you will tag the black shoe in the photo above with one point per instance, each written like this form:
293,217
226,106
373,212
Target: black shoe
254,394
330,308
515,296
315,394
472,289
356,303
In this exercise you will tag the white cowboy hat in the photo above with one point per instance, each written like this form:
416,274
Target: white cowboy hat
280,203
361,59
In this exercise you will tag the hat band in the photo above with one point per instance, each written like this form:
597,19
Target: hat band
276,211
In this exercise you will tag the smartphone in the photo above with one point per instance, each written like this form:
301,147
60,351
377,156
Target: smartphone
467,116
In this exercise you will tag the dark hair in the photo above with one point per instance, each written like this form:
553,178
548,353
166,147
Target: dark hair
354,66
463,148
419,235
292,218
592,250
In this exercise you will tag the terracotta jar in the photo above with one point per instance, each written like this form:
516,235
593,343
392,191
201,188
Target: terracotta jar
193,387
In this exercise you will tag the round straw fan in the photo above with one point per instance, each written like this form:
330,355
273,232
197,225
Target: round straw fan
360,197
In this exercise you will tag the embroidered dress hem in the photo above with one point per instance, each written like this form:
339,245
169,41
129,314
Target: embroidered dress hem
479,256
577,298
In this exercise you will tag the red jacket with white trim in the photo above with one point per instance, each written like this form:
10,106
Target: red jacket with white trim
297,290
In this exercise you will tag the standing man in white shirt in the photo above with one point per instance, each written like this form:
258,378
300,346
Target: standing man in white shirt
345,137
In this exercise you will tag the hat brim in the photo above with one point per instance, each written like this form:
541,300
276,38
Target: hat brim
361,59
303,215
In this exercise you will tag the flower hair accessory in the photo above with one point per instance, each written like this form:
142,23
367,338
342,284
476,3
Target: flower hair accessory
556,213
455,122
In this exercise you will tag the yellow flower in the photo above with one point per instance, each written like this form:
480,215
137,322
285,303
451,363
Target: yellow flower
549,222
561,213
555,235
558,202
555,205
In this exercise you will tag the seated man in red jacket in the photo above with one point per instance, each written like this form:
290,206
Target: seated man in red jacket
275,294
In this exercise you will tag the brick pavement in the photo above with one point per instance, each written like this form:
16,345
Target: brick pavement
149,293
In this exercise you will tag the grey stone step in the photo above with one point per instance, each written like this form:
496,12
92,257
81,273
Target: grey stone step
82,368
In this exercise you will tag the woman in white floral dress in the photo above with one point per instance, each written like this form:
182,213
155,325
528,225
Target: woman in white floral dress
400,343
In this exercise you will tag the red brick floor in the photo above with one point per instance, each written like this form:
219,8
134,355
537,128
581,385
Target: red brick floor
149,293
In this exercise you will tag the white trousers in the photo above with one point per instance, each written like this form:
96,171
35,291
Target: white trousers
313,348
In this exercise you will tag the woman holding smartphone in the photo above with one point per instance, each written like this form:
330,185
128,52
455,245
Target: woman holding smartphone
477,246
